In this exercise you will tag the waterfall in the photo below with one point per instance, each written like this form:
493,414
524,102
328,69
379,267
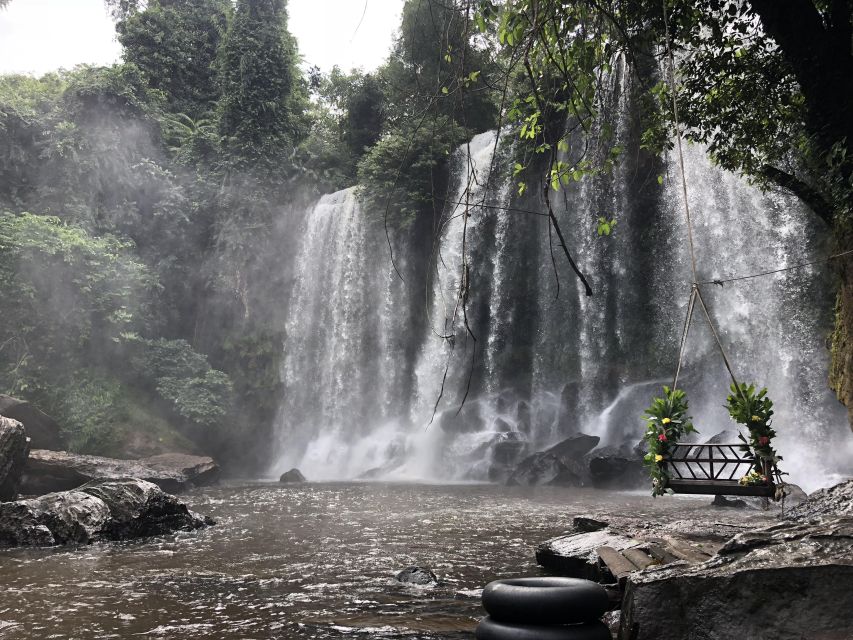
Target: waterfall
366,396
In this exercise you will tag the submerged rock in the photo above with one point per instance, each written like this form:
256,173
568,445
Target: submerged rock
99,510
788,581
51,471
419,576
14,448
295,475
43,431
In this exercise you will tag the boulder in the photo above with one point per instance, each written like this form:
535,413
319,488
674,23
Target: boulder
543,469
785,582
292,476
419,576
616,468
199,471
730,503
576,555
43,431
727,436
468,420
98,511
833,502
560,465
502,426
51,471
14,448
573,449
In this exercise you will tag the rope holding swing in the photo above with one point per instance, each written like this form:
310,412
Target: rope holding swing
695,288
695,292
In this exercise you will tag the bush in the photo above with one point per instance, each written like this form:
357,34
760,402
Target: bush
183,378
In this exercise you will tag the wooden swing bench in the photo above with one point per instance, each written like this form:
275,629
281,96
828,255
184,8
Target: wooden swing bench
714,469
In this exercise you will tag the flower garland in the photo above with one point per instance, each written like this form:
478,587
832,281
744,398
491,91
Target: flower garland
755,410
666,423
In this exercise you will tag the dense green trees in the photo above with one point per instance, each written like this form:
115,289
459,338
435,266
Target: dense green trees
176,44
165,175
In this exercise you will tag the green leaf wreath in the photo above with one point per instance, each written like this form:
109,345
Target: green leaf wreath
755,410
667,422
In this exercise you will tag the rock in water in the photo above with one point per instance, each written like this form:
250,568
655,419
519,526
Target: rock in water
43,431
14,448
786,582
419,576
51,471
574,448
199,471
560,465
615,468
292,476
99,510
540,469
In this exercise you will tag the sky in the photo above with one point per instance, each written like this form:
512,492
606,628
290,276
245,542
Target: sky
37,36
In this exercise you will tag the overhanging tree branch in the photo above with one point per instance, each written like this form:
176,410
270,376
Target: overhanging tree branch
805,192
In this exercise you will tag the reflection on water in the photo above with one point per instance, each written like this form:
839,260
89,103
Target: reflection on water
311,561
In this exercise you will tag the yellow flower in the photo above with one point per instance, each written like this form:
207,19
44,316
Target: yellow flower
756,418
666,420
658,457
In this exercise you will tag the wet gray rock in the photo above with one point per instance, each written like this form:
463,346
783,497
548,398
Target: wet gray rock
616,468
43,431
419,576
560,465
543,469
728,503
98,511
294,476
14,448
786,582
573,449
51,471
727,436
826,503
468,420
575,555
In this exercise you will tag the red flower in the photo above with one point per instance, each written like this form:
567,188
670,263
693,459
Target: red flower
662,437
764,441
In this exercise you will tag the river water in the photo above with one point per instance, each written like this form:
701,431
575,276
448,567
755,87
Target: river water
308,561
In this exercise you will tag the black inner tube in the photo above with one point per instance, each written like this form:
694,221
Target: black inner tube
490,629
545,601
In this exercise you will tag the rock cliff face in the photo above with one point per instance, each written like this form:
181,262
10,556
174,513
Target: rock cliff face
49,471
98,511
14,448
787,582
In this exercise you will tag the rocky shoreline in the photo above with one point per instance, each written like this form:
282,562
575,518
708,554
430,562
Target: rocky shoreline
79,499
730,574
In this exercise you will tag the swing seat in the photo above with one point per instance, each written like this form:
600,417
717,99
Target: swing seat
713,469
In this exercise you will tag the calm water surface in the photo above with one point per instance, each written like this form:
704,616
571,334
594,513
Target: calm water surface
310,561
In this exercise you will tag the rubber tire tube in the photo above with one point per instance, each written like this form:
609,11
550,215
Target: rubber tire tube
490,629
545,601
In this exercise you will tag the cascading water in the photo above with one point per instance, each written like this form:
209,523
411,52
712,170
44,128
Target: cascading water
537,359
